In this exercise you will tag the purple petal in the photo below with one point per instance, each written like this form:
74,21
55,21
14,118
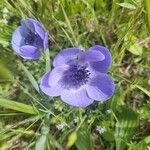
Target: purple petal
65,56
15,47
47,89
55,75
101,87
29,52
39,30
76,97
35,26
17,37
101,66
91,56
28,23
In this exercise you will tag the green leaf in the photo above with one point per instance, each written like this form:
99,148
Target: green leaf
31,78
17,106
142,89
135,49
126,125
83,140
41,142
127,5
141,145
72,139
147,6
108,136
48,63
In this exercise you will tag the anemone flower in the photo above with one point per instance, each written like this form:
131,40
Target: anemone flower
80,77
29,39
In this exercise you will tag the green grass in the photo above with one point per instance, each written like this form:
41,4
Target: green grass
29,120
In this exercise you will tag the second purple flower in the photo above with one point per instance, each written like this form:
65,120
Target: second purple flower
80,77
29,38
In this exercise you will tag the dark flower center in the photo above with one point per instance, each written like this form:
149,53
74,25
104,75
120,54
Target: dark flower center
30,38
75,76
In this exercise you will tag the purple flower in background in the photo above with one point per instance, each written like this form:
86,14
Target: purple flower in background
29,38
80,77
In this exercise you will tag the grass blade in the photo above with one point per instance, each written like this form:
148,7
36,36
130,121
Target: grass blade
31,78
17,106
147,6
48,62
41,142
142,89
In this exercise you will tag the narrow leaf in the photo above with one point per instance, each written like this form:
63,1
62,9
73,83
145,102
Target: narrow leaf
17,106
147,6
127,5
31,78
142,89
135,49
41,142
48,63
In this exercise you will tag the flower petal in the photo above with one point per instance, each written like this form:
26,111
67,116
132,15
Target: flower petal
35,26
47,89
28,23
103,65
76,97
29,52
91,56
17,38
15,47
65,56
101,87
39,29
55,75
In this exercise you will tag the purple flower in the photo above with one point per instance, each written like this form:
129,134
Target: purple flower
80,77
29,38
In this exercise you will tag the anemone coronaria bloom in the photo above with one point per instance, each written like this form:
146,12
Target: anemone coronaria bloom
30,39
80,77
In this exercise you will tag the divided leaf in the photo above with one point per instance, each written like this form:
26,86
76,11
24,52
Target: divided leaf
83,140
126,125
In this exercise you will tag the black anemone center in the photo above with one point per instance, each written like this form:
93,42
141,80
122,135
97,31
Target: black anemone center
75,76
30,38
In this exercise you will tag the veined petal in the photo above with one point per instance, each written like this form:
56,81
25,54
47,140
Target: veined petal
91,56
55,75
47,89
29,52
28,23
17,37
101,66
76,97
101,87
65,56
